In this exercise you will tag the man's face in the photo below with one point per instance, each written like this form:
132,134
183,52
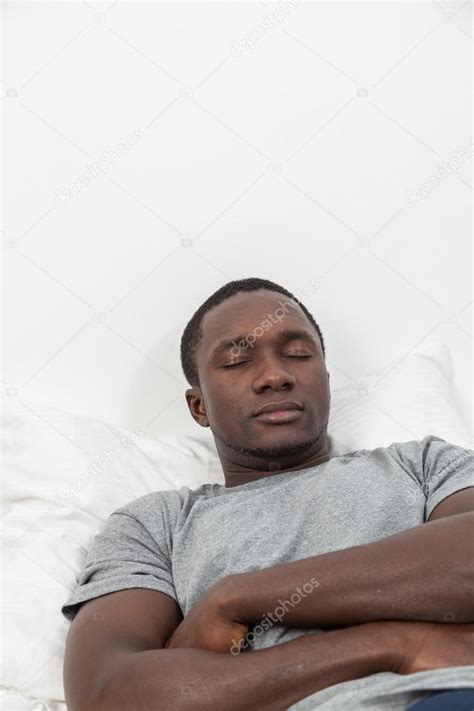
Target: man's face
261,364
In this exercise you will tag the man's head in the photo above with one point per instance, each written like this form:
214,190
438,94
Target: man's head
250,344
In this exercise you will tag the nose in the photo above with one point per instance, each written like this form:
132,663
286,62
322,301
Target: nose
273,377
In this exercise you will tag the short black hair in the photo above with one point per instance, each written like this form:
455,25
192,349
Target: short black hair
192,334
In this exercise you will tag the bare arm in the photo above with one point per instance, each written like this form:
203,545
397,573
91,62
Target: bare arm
116,659
274,678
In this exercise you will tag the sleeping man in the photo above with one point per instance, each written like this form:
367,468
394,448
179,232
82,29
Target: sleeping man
306,581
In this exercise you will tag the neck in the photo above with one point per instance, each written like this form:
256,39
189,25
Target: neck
244,468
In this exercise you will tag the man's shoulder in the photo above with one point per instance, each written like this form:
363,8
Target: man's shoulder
165,502
408,455
410,447
427,456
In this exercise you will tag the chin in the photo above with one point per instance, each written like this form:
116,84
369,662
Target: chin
281,449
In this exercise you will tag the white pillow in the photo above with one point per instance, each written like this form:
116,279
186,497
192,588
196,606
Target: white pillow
411,397
64,475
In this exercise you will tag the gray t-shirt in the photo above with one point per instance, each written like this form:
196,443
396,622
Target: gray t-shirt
182,541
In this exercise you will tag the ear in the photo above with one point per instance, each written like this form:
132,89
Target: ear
196,406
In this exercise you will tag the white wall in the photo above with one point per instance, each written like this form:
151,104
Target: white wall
288,148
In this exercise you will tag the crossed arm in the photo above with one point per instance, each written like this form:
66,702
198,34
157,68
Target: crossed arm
423,574
379,591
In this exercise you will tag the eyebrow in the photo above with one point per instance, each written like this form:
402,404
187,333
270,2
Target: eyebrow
284,337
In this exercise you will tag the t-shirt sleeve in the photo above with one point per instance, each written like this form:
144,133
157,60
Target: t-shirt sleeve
440,468
123,555
447,468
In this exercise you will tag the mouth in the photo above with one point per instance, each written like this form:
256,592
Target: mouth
279,412
279,416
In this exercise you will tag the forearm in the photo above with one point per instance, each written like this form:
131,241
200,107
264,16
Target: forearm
273,678
425,574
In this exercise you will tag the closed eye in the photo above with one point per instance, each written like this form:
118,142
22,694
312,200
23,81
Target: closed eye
242,362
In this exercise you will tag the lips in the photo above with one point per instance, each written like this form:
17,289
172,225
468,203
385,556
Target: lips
282,406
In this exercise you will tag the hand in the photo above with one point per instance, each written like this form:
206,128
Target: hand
209,626
436,646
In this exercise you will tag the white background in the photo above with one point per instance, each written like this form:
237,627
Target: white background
282,149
